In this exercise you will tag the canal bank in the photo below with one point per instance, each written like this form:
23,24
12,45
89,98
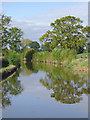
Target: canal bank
7,71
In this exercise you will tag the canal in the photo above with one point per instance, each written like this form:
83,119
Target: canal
45,91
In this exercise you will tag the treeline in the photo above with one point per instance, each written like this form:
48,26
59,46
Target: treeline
13,46
66,38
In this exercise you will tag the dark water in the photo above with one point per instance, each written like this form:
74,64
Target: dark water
45,91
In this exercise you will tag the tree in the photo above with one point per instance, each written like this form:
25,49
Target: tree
14,42
25,43
45,47
67,32
35,45
12,87
66,86
10,37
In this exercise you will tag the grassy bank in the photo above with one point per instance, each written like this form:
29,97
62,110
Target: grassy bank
7,71
66,57
10,62
80,64
59,56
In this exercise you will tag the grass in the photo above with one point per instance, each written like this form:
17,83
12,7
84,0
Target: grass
80,63
83,55
58,55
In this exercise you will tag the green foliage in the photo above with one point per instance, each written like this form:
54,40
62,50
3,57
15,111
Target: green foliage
13,58
45,48
5,62
25,44
83,55
89,47
42,56
67,32
10,36
0,54
35,45
11,87
63,83
14,39
86,50
4,51
67,55
29,54
84,64
57,55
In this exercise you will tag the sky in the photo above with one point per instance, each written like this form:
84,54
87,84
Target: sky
34,18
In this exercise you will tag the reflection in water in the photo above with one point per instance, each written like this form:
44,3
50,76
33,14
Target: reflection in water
11,87
27,69
67,87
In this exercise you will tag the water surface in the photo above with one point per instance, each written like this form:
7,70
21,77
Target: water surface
45,91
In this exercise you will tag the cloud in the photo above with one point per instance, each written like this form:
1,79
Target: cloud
80,11
35,28
31,30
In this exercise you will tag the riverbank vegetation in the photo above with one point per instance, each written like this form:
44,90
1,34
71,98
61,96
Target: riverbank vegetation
65,44
13,46
80,64
57,56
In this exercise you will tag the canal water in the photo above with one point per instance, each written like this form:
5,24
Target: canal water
45,91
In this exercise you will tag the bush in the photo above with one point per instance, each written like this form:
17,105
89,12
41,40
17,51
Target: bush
5,62
13,58
28,54
4,51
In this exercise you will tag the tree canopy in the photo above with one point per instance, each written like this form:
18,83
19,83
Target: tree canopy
25,43
67,32
35,45
10,37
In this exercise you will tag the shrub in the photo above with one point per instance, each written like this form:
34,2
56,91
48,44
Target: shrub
13,58
29,54
5,62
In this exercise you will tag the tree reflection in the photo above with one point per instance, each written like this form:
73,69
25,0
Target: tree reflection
27,68
67,87
11,87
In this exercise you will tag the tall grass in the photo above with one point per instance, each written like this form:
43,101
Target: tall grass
57,55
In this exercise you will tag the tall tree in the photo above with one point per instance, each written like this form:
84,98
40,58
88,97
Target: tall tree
25,44
10,36
67,32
